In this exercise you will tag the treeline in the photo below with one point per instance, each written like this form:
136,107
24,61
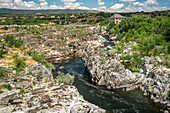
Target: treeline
152,35
71,18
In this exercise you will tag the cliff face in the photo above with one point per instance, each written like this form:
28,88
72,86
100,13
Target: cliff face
106,69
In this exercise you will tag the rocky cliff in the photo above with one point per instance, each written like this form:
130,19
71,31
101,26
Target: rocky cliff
105,69
35,91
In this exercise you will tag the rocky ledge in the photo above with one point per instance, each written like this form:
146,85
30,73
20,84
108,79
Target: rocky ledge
105,69
35,91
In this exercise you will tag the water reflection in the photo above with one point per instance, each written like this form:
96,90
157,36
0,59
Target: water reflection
113,101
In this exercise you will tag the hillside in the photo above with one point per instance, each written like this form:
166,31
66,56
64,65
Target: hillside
48,11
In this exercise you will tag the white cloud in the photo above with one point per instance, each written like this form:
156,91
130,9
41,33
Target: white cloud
43,3
151,2
130,8
55,7
70,5
29,4
84,7
68,0
6,4
138,3
18,2
117,6
42,0
100,2
127,0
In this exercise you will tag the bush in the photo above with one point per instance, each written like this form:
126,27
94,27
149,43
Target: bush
1,92
22,91
41,59
7,86
19,63
39,37
2,51
169,95
12,41
29,52
5,28
66,79
134,69
3,72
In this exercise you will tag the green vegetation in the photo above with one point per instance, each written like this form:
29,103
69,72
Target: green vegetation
151,35
22,91
1,92
39,37
105,22
66,79
3,72
7,86
5,28
2,51
19,63
47,81
40,58
34,82
169,95
12,41
15,79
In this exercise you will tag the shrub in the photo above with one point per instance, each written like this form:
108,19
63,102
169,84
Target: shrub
41,59
15,79
47,81
2,52
22,91
119,49
3,72
29,52
1,92
5,28
7,86
134,69
66,79
19,63
12,41
39,37
169,95
34,82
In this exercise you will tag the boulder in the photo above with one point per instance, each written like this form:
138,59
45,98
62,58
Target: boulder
7,109
80,108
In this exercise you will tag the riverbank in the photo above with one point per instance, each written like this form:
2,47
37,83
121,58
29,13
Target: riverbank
35,91
106,69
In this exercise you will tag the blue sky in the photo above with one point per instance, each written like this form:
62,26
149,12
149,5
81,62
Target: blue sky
102,5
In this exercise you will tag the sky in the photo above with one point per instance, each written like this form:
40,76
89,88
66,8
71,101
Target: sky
101,5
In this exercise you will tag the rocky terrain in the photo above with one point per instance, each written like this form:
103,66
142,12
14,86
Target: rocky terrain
106,69
35,91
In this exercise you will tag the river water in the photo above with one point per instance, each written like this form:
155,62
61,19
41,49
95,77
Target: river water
116,101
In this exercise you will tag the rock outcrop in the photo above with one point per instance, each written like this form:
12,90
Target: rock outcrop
35,91
106,69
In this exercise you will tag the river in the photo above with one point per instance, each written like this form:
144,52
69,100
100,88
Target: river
116,101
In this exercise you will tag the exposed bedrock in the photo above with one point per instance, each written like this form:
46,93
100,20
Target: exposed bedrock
106,69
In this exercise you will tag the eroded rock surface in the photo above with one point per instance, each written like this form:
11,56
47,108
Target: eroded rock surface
106,69
41,95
